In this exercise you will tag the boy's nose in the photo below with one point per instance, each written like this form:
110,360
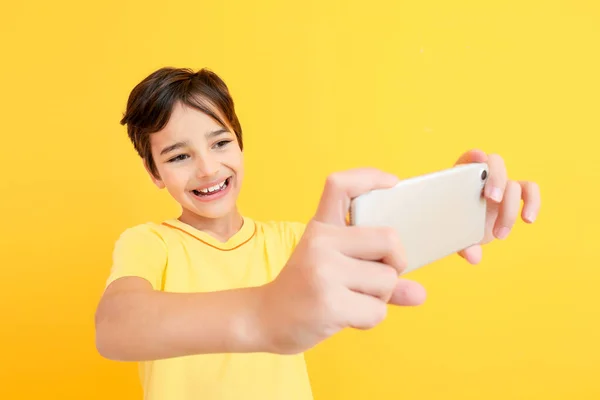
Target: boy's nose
206,166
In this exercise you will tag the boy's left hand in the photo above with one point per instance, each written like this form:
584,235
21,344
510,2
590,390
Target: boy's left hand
503,201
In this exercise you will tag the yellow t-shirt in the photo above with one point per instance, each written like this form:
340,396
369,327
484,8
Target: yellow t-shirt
176,257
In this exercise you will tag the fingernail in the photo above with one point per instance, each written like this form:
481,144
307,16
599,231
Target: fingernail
502,233
530,217
496,194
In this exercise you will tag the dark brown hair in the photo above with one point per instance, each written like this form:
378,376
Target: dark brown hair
151,103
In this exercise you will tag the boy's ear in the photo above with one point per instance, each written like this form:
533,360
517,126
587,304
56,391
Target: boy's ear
157,181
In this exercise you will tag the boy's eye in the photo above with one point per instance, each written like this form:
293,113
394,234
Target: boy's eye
222,143
178,158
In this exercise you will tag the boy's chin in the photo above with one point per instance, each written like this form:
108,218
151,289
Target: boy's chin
216,212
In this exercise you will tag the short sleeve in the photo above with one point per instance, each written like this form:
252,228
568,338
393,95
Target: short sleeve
139,251
294,232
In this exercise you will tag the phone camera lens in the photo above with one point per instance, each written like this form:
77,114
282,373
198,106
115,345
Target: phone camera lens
483,175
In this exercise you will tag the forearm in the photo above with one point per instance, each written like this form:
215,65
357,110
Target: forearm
149,325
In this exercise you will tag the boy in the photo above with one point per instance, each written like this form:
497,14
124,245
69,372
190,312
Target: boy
215,305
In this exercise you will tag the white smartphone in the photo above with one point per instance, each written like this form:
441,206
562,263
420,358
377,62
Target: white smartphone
435,215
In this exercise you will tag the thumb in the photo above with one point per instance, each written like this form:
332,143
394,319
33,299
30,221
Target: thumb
342,187
472,156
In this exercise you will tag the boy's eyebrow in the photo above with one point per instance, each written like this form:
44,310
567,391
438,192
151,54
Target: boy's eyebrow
179,145
216,132
173,147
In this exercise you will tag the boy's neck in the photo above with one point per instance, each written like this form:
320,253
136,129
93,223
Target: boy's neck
221,229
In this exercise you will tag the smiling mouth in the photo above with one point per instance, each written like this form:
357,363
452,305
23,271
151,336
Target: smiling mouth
213,189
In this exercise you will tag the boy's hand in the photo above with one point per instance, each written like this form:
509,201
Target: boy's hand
503,201
338,276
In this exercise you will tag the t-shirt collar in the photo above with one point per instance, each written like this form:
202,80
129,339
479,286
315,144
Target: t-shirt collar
241,237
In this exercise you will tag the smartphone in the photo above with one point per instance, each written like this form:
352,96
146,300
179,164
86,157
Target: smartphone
435,215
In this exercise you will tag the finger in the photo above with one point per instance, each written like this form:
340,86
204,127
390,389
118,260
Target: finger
369,277
509,210
495,185
408,293
363,312
372,243
472,156
531,199
341,187
472,254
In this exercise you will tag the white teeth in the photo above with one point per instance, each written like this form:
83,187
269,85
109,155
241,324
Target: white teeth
214,188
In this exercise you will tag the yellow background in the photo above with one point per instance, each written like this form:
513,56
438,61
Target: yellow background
319,86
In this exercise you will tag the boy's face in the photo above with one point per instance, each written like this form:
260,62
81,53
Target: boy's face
199,163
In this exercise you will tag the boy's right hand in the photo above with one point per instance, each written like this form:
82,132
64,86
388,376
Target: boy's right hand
339,276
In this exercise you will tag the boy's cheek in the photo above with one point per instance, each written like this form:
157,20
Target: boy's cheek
174,180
